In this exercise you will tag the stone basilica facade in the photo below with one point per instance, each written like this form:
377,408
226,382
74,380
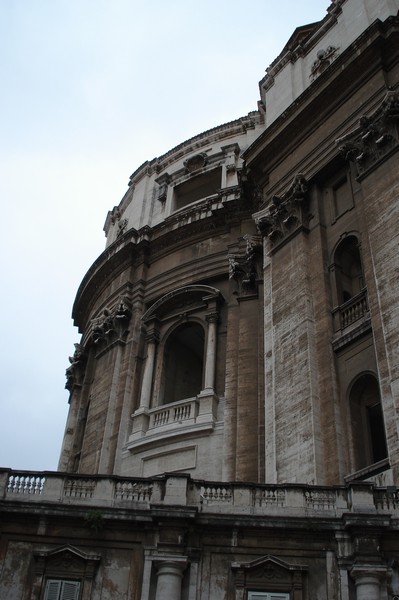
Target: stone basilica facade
233,425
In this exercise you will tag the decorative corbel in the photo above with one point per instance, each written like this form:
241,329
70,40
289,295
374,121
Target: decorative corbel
112,323
243,268
286,214
75,372
375,137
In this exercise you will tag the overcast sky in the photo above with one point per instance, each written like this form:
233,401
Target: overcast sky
90,89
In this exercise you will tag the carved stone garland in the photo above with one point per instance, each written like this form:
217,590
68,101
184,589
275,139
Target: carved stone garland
374,138
286,214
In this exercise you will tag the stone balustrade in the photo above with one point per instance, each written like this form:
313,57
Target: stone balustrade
354,309
177,412
181,490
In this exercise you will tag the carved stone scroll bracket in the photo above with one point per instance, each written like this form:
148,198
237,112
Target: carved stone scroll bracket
285,215
163,182
375,138
112,324
244,267
75,372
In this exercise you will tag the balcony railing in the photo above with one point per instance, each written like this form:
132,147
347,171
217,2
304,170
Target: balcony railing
53,488
351,311
170,414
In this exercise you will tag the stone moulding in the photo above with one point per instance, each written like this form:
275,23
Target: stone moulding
285,215
375,138
182,298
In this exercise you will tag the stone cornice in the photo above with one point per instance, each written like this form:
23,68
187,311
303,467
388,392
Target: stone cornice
193,223
224,131
323,97
293,51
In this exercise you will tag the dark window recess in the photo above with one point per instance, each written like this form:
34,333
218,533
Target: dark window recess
377,432
183,363
197,187
348,266
368,431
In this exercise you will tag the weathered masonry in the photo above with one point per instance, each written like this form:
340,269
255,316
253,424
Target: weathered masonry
233,429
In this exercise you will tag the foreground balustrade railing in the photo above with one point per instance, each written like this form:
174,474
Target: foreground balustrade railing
204,497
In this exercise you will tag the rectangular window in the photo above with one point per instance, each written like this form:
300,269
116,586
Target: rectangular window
268,596
197,187
61,589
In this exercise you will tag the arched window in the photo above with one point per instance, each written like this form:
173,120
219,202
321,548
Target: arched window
368,431
183,363
348,269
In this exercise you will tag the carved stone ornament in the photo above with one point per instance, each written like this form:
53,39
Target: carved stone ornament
75,373
243,267
68,562
115,215
195,162
122,225
375,137
269,571
113,322
285,214
324,58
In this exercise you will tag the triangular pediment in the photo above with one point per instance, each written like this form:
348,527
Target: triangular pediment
65,560
267,561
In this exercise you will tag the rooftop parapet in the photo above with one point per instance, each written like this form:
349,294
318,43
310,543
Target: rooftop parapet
179,490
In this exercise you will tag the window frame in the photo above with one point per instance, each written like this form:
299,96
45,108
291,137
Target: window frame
263,595
62,592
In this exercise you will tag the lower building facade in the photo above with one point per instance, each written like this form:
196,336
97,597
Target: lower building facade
172,537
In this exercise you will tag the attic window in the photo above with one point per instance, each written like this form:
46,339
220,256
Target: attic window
197,188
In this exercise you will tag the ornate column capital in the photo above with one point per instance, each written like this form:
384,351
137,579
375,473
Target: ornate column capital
375,137
285,215
112,323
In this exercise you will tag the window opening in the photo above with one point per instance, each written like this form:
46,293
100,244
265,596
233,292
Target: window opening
377,432
198,187
183,363
61,589
369,440
350,281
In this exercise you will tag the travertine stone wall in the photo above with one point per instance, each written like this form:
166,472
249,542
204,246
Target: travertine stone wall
380,192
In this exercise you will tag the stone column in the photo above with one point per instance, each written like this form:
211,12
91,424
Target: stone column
170,574
367,580
210,361
146,386
141,416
